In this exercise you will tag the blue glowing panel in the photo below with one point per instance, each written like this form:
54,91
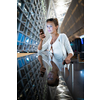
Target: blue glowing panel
27,59
23,37
19,37
20,63
27,40
23,61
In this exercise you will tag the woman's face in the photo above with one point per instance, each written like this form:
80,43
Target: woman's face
51,28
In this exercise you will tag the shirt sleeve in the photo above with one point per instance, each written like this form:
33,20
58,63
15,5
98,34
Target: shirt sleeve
44,46
67,45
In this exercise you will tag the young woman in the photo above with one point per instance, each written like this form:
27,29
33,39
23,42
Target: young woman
58,44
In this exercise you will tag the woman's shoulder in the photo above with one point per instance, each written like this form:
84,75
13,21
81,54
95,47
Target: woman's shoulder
62,34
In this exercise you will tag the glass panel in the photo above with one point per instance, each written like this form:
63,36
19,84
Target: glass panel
28,33
22,72
31,41
22,27
23,61
30,47
26,47
32,35
20,63
19,87
27,60
19,37
18,76
20,3
21,46
31,74
27,40
22,96
18,23
18,13
31,20
24,81
26,11
29,67
18,44
30,25
24,20
27,89
23,37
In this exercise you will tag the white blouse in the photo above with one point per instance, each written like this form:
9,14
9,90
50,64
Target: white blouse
60,46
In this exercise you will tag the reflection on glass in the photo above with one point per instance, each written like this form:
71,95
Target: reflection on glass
27,40
30,25
32,35
31,20
18,13
26,47
26,11
18,23
30,47
22,27
24,20
22,72
19,37
21,46
23,37
20,3
18,44
28,33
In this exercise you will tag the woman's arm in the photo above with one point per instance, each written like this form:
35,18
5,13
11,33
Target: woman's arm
44,46
69,50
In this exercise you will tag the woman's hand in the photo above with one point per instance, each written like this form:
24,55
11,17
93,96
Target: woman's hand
66,61
42,36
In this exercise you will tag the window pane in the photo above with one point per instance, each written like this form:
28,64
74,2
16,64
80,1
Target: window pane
31,41
22,27
18,13
32,35
20,63
27,40
23,37
21,46
20,3
27,60
26,47
31,20
18,44
24,20
19,36
28,33
30,25
30,47
18,23
26,11
23,61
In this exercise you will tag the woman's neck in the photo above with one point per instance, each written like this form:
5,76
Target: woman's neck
54,35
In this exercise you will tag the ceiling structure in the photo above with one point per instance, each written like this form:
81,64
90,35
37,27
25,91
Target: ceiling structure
61,7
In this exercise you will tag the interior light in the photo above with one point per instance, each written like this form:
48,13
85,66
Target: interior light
27,40
82,36
27,59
